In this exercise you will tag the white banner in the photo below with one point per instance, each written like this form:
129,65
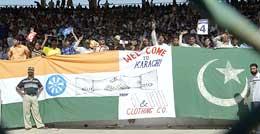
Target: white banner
153,82
203,27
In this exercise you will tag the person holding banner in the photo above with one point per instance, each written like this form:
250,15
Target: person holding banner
69,47
30,88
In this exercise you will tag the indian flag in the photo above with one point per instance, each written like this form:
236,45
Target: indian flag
99,86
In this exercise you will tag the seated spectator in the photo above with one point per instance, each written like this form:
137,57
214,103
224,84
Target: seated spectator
223,41
175,41
53,49
37,50
133,45
102,45
85,48
3,52
144,43
116,43
208,43
4,48
10,40
18,51
191,40
235,42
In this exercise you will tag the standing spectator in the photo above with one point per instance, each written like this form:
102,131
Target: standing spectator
30,88
69,3
53,49
63,2
254,88
57,3
51,4
18,51
43,3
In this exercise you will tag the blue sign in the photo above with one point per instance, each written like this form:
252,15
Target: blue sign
55,85
67,31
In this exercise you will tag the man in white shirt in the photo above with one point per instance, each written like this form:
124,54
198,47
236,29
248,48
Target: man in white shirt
191,41
254,92
223,41
254,86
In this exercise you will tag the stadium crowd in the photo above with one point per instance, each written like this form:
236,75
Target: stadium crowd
29,32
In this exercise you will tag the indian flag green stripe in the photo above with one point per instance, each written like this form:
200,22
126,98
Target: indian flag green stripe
64,110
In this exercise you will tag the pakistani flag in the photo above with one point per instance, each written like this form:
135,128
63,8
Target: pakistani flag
211,83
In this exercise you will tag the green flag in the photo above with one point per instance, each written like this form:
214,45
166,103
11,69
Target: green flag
211,83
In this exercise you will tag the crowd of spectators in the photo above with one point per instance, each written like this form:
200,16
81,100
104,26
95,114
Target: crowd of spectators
110,28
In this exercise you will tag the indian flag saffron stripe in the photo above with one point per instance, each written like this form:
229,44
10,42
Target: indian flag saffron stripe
73,64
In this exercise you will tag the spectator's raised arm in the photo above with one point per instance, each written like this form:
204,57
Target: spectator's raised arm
199,42
10,53
78,41
153,34
27,52
216,39
74,35
45,40
180,38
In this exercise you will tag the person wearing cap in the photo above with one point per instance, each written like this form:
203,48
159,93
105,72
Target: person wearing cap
30,88
18,51
53,49
117,44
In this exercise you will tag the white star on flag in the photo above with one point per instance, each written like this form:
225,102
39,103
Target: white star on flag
230,72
